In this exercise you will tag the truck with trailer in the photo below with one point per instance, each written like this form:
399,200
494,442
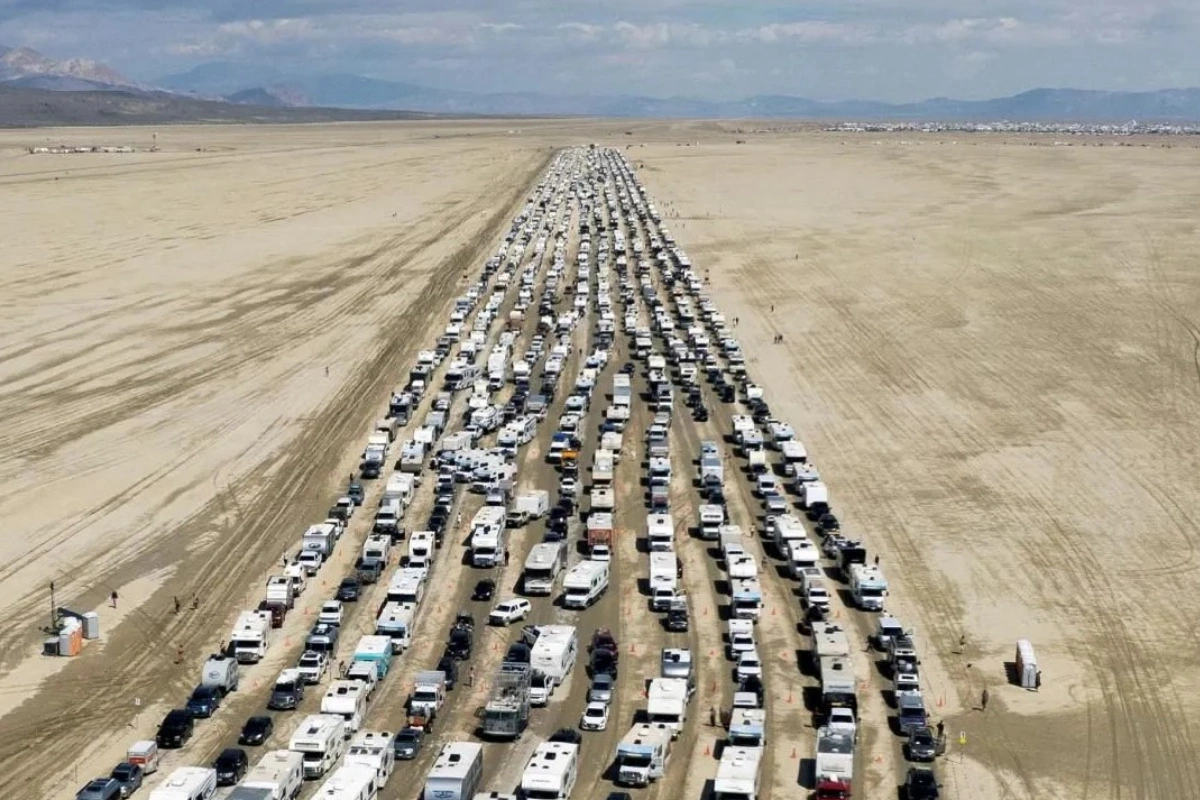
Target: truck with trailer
802,556
428,694
738,773
506,713
528,507
251,636
664,577
599,533
546,560
321,739
868,587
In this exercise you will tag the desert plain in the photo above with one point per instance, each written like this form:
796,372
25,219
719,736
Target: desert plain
990,348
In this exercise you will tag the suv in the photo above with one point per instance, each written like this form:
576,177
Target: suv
231,766
129,775
176,728
204,702
100,789
349,590
407,743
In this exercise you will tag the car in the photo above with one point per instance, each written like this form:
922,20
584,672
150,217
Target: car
841,719
100,789
602,688
510,611
356,492
256,731
595,717
129,775
204,702
604,662
231,766
828,523
922,745
349,590
775,504
312,666
748,664
484,590
568,487
176,729
407,744
310,561
817,595
921,784
460,642
331,612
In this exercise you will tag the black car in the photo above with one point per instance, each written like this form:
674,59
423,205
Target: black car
204,702
449,665
437,522
828,523
677,620
754,685
700,414
604,660
921,746
518,653
256,731
628,368
728,393
484,590
349,590
231,766
921,784
356,492
460,642
129,775
176,728
566,736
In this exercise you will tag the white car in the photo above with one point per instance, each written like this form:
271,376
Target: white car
600,552
312,666
331,612
595,717
509,611
748,664
817,595
842,720
310,560
568,487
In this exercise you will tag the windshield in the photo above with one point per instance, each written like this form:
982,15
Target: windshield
637,760
870,592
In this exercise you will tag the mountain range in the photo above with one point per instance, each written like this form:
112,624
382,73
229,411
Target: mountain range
260,87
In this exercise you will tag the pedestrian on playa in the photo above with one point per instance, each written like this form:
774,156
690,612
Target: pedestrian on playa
877,560
285,562
772,308
941,728
983,700
506,558
176,599
113,598
195,602
1037,681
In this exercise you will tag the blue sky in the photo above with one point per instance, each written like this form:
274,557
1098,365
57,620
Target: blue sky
895,50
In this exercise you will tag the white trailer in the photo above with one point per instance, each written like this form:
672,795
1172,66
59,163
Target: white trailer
603,468
251,636
660,532
602,498
321,738
748,727
279,775
741,565
348,700
666,703
407,585
187,783
374,750
554,652
738,774
456,773
664,570
643,754
712,517
814,495
551,772
546,560
746,598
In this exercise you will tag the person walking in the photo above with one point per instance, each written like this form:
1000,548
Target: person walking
983,700
113,598
941,729
471,677
176,599
877,560
1037,681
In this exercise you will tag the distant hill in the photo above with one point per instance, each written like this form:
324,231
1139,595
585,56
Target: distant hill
26,108
269,97
22,66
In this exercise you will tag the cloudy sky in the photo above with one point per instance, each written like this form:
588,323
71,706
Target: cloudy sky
893,50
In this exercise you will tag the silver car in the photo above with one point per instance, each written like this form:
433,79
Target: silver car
602,689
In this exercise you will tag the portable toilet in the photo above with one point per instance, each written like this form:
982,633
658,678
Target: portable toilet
70,638
91,625
1027,667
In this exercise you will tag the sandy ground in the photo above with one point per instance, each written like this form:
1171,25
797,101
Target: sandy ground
990,350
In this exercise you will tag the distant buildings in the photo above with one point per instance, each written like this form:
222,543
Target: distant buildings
1132,128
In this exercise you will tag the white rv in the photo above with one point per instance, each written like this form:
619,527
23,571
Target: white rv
554,653
321,738
551,772
868,587
546,560
456,773
712,517
187,783
279,772
407,585
348,700
350,782
666,703
251,636
643,754
585,583
660,532
395,621
738,774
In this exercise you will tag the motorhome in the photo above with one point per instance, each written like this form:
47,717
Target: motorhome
786,528
349,782
456,773
488,537
712,517
834,767
321,738
421,548
794,456
741,565
738,773
551,772
546,560
868,587
643,754
802,555
664,572
554,653
278,775
666,703
395,621
407,585
585,583
746,598
251,636
747,727
348,700
838,686
732,541
603,498
187,783
660,532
